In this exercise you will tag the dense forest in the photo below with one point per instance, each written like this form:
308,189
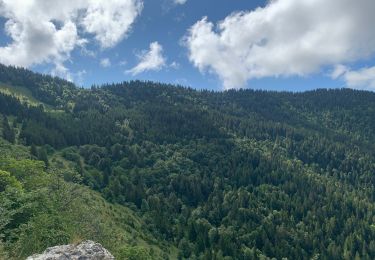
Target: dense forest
155,171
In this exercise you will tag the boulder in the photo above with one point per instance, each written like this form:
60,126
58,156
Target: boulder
87,250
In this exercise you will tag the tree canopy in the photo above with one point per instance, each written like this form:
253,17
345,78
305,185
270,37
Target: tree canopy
239,174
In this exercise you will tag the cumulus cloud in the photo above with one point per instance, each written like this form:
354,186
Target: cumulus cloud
284,38
105,63
180,2
48,31
152,59
338,71
110,20
363,78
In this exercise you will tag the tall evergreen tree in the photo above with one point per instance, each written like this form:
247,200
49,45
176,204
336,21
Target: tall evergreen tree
42,155
34,150
8,132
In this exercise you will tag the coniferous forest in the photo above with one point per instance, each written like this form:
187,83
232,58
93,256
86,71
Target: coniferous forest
155,171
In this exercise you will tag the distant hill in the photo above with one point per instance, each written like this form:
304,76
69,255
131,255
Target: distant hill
238,174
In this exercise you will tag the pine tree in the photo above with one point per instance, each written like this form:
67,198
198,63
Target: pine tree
8,132
34,151
42,156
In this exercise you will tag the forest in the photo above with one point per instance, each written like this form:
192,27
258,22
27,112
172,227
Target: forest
157,171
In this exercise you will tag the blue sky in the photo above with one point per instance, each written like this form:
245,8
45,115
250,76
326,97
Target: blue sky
277,45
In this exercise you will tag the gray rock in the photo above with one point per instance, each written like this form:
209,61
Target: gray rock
87,250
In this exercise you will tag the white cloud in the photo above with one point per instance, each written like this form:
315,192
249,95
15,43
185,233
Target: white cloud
180,2
61,71
175,65
123,63
48,31
285,38
152,59
110,21
105,63
338,71
363,78
79,76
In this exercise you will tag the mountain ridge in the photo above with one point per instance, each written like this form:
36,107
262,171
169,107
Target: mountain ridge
238,174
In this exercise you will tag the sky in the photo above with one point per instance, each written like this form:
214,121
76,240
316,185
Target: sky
292,45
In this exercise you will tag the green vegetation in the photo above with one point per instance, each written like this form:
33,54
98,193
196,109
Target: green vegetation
40,208
157,171
22,93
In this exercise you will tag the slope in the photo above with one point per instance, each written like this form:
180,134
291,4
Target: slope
46,207
239,174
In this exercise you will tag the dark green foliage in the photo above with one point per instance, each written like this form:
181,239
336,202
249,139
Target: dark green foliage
42,156
8,131
240,174
34,151
50,90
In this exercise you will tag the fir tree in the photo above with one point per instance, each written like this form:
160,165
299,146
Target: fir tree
8,132
42,155
34,150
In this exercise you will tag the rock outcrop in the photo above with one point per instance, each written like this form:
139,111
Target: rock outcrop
87,250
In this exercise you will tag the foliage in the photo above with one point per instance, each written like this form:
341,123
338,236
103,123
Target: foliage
50,211
8,131
239,174
134,253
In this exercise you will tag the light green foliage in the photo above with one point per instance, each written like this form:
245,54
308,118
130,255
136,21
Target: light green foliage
29,172
6,180
22,93
52,211
135,253
13,151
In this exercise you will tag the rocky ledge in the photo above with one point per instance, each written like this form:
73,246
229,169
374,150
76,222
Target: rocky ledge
87,250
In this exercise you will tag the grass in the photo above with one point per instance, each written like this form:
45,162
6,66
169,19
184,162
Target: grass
24,95
21,93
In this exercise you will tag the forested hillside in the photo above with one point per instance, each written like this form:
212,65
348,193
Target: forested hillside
160,171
